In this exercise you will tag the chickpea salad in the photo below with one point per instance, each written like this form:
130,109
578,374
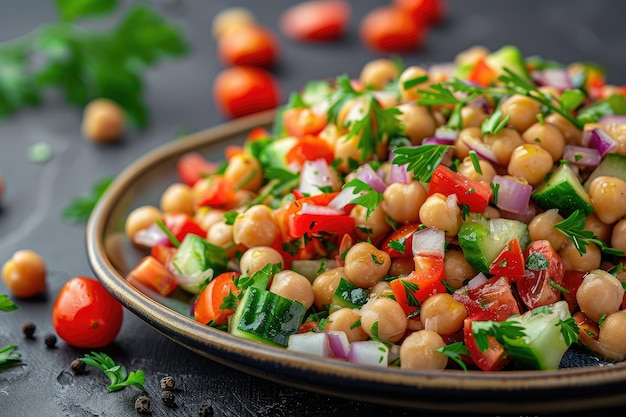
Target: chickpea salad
467,215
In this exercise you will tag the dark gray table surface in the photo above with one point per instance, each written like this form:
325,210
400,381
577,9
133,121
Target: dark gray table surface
179,95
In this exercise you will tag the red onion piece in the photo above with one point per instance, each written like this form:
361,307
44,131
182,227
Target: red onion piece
369,352
446,133
151,236
367,174
436,140
308,208
344,198
513,196
481,149
477,281
429,242
600,140
339,344
581,155
612,118
315,175
399,173
553,77
313,343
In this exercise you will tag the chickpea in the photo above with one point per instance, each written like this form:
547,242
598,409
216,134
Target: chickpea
103,121
548,136
600,229
245,171
178,198
255,258
612,333
492,212
402,202
231,18
411,73
472,116
542,227
600,293
618,132
293,286
207,216
503,144
461,150
418,122
577,262
255,227
378,73
365,264
25,274
571,133
325,285
401,265
221,234
531,162
389,315
457,269
442,313
382,288
607,198
139,219
466,167
522,110
471,56
347,150
347,320
374,227
442,212
618,235
419,351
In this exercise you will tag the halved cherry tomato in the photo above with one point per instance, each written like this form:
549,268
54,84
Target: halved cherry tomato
300,121
208,307
494,298
152,273
309,148
482,74
193,166
315,20
426,280
391,29
494,358
510,262
404,236
243,90
215,191
85,315
180,224
544,271
248,45
475,194
427,12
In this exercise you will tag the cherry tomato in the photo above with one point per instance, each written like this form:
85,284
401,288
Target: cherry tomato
302,121
391,29
495,357
248,45
310,148
544,271
316,20
208,307
193,166
85,315
475,194
427,12
243,90
494,299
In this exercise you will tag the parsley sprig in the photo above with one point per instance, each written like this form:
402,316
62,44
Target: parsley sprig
8,358
119,376
454,352
574,229
366,195
7,304
80,208
422,160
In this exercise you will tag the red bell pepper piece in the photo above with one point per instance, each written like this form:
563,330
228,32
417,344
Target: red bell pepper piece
475,194
510,262
426,280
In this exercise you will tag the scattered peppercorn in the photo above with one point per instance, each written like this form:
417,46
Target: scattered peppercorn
50,340
167,383
205,411
168,398
29,329
78,366
142,405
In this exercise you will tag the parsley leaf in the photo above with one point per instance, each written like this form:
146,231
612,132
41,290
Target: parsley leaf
454,352
574,229
422,160
499,330
6,304
8,358
118,375
495,123
79,209
367,196
73,9
569,330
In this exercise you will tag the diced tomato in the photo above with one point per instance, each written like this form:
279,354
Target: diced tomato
427,12
316,20
152,273
494,358
494,298
310,148
403,236
510,262
320,224
571,282
162,253
311,249
300,121
415,288
215,191
192,166
482,74
232,150
308,326
544,270
248,45
317,200
391,29
475,194
258,133
180,224
208,307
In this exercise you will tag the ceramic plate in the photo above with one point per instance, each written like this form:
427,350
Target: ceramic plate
584,383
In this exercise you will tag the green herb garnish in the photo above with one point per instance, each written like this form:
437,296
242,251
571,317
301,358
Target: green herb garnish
8,358
574,229
422,160
454,352
7,304
80,208
119,376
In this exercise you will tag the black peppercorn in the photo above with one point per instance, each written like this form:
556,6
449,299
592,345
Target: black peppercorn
168,398
50,340
29,329
78,366
167,383
142,405
205,411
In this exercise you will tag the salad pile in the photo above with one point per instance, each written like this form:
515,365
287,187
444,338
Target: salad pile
466,215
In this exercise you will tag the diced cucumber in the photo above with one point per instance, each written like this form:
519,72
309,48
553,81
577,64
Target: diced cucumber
562,190
274,153
509,57
266,317
483,239
613,165
197,261
347,295
311,268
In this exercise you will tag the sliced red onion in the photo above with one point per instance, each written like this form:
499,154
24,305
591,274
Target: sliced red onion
581,155
314,177
308,208
429,242
477,281
369,352
367,174
313,343
436,140
513,196
339,344
553,77
344,198
399,173
600,140
612,118
444,132
151,236
481,149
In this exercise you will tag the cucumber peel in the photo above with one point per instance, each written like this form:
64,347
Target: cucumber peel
563,190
